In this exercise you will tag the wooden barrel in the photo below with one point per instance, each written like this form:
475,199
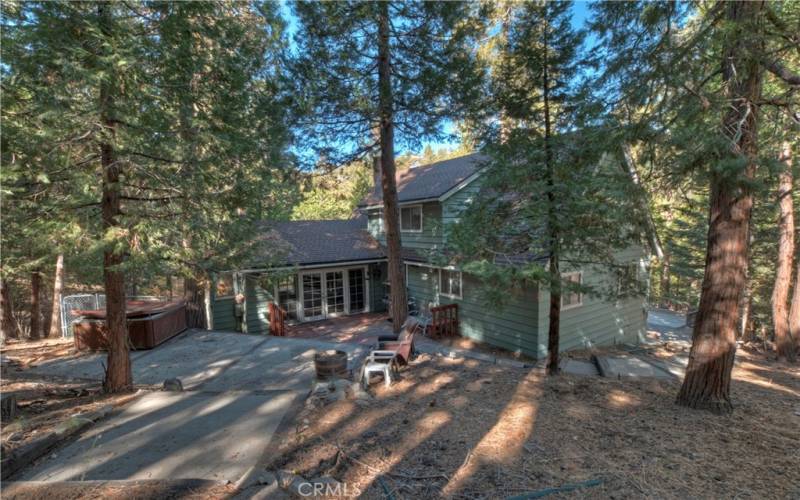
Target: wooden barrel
330,364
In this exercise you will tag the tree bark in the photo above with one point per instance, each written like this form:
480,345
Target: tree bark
748,325
58,286
554,326
665,280
794,311
118,372
644,203
36,314
195,308
783,272
9,329
391,210
708,374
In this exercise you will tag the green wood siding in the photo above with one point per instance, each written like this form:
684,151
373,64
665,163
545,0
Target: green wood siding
430,238
453,206
512,326
257,315
597,321
222,312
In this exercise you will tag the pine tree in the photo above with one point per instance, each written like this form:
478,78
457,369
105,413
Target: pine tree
687,80
375,75
550,194
98,92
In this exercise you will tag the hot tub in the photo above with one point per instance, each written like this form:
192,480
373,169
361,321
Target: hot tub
150,323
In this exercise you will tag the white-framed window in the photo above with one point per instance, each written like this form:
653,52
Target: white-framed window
570,299
411,219
450,283
379,221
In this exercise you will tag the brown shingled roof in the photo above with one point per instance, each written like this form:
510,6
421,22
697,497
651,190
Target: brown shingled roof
430,181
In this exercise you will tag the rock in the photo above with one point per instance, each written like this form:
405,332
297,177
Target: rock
173,384
359,394
266,478
72,424
285,478
339,384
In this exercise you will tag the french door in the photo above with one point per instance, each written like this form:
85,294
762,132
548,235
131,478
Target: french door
312,296
332,293
357,290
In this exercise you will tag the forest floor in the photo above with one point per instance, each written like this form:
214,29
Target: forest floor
43,402
464,429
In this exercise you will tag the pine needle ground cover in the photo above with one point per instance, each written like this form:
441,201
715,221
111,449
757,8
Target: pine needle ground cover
462,429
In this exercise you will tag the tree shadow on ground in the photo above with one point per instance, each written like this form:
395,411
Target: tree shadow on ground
460,429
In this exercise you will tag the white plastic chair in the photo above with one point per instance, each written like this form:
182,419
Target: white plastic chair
383,362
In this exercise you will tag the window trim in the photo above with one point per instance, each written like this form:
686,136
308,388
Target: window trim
460,284
580,294
233,291
421,219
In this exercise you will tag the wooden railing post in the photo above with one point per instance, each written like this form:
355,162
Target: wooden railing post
277,320
444,320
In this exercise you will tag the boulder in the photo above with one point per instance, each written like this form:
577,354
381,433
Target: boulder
173,384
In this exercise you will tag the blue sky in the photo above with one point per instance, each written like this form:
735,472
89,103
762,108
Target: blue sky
580,13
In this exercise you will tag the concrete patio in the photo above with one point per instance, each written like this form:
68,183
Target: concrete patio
238,389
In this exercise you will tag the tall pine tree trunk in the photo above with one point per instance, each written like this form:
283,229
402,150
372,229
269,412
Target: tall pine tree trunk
36,316
9,329
783,272
708,375
58,286
794,311
118,372
195,306
664,280
554,327
391,210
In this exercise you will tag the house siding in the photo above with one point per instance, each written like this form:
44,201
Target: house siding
222,312
512,326
453,206
430,238
256,307
597,321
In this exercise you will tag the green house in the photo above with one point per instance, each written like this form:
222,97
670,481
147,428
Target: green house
338,267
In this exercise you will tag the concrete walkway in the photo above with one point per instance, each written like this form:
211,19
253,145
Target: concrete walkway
238,388
669,325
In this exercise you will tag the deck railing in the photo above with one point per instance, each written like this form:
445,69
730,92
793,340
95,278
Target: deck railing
444,320
277,320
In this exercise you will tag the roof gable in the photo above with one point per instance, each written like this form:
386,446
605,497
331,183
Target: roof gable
432,181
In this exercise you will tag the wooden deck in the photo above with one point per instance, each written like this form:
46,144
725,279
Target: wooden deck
358,329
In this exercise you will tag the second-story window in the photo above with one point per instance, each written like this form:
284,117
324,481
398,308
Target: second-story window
411,219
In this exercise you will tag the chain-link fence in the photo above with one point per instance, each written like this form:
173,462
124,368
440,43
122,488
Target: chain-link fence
72,303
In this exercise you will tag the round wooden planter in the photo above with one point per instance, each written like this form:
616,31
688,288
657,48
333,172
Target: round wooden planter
330,364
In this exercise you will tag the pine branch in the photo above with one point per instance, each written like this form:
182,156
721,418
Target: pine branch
781,72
